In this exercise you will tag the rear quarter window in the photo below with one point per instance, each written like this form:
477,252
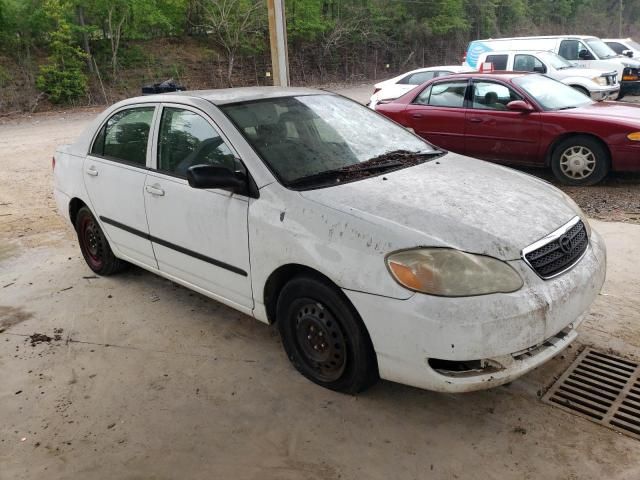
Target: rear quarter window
499,62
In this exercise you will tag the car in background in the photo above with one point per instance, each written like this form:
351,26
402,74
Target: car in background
524,119
594,83
624,46
397,86
375,254
582,50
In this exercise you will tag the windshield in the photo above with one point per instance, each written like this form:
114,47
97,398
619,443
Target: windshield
309,135
556,61
601,49
551,94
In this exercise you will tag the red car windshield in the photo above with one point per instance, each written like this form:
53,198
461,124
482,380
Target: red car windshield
551,94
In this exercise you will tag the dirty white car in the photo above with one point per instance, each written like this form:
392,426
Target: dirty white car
397,86
375,254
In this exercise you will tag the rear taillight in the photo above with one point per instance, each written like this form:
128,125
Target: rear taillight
53,163
464,57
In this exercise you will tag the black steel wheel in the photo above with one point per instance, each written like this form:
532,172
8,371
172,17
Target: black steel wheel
94,245
324,337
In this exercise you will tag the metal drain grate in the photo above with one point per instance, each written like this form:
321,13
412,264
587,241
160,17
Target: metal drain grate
602,388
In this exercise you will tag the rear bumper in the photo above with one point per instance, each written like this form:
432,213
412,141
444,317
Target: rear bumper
511,333
62,203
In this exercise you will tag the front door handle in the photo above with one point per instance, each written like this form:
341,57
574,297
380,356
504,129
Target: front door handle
154,190
475,120
92,171
416,115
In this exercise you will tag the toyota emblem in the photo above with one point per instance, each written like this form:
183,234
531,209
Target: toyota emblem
565,243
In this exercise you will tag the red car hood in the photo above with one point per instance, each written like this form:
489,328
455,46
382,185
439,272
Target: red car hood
613,110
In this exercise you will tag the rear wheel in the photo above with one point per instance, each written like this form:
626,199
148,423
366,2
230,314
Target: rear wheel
580,160
324,337
94,245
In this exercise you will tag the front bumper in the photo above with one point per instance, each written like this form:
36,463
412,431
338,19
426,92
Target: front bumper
517,331
604,93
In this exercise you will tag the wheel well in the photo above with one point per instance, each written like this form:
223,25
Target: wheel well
581,88
74,207
564,136
279,278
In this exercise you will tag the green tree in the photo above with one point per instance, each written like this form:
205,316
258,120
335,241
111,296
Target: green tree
62,79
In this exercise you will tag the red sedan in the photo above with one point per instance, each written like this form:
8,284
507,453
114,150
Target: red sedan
523,119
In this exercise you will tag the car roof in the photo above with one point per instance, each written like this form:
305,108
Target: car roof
516,52
224,96
542,37
502,74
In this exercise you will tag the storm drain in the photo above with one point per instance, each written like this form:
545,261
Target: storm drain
602,388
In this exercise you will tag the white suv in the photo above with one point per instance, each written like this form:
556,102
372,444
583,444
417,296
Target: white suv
595,83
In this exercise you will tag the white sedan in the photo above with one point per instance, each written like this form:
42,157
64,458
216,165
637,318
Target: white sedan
397,86
374,253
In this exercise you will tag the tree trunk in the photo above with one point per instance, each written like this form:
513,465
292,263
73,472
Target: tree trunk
231,57
85,38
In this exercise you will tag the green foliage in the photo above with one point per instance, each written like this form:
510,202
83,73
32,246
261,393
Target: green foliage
62,79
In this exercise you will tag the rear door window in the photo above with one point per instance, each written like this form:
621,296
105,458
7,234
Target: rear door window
499,62
443,94
125,136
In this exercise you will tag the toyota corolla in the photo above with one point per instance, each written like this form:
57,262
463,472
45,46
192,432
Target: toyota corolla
376,254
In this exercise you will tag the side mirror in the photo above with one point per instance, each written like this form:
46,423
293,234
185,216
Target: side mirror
628,53
584,55
519,106
209,176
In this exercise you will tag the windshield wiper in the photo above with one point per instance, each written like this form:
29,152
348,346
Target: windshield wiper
566,108
388,161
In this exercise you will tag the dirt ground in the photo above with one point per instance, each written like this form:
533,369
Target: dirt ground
138,378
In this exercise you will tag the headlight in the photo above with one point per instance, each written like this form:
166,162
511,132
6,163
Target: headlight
452,273
600,80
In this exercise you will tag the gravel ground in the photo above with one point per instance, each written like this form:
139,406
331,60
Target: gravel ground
616,199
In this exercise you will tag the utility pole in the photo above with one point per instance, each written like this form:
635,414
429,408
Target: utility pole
278,40
621,12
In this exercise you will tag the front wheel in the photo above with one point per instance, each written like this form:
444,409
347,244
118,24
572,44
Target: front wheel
580,160
324,337
94,245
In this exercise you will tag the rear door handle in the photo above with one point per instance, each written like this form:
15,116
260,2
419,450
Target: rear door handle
92,171
416,115
475,120
154,190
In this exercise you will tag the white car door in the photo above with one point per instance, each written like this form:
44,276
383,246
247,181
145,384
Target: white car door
199,236
114,175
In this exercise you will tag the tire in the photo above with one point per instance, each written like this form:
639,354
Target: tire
620,96
94,245
580,160
582,90
310,311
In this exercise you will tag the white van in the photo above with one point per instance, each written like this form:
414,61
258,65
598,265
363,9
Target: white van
594,83
582,50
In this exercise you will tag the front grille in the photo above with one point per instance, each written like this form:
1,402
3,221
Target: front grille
611,79
562,250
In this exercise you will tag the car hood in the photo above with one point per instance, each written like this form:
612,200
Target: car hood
583,72
612,110
456,202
